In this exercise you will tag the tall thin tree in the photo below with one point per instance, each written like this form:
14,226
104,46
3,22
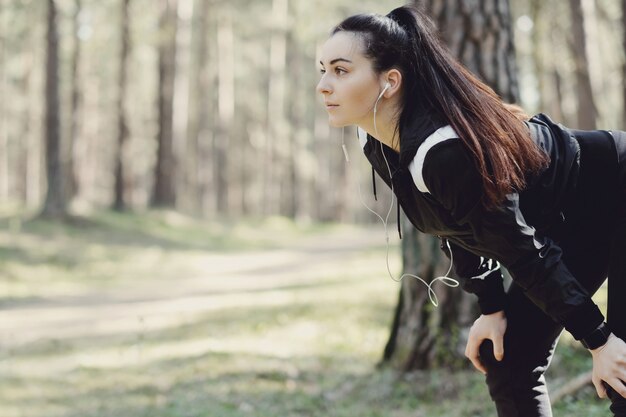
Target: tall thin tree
55,203
197,106
276,107
183,113
164,193
201,138
122,125
587,111
225,110
4,130
71,188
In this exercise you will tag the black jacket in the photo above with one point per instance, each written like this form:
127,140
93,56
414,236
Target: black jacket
448,204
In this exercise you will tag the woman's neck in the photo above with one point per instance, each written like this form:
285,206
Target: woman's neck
385,128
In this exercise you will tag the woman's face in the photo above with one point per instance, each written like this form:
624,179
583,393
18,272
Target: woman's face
349,85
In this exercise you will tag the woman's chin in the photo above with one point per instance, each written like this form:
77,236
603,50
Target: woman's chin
333,122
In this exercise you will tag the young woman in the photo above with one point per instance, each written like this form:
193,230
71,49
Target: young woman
546,202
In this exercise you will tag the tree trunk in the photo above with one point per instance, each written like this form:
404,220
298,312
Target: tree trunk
197,107
204,172
69,166
164,193
480,34
55,203
555,31
181,113
321,181
299,115
119,203
586,106
413,336
32,154
537,40
295,104
226,110
4,119
275,108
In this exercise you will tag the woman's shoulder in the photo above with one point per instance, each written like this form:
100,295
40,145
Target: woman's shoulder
451,178
451,153
451,163
442,162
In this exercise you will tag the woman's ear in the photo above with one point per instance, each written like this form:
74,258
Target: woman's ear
394,78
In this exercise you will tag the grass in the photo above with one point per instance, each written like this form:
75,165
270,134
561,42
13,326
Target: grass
158,314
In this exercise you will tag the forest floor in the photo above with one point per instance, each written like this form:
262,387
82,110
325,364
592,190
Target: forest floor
158,314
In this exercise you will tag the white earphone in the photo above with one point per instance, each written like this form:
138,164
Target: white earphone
387,86
445,279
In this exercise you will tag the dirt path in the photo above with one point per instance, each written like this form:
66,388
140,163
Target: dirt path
223,282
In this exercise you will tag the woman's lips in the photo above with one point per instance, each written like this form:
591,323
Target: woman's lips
331,106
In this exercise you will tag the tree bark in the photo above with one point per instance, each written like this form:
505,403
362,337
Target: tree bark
226,110
275,108
70,168
480,34
55,203
586,106
302,116
197,106
120,203
181,115
164,193
291,198
555,31
4,119
539,66
206,118
32,147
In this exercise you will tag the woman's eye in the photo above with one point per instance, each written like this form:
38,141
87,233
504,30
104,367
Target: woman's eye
338,71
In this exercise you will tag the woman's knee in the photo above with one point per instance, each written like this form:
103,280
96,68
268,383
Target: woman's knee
517,388
519,372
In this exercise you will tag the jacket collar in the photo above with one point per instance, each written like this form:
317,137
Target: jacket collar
414,131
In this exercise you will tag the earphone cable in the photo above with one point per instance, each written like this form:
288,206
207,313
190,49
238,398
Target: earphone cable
445,279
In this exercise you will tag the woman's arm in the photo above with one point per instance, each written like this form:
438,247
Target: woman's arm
482,277
534,261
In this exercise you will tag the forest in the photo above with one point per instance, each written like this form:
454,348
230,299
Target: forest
144,104
182,236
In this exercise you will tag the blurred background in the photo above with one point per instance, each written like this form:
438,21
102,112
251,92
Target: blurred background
180,234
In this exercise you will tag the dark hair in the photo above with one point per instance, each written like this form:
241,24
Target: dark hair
435,81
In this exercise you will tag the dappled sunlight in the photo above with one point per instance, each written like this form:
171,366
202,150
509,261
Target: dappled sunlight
277,331
299,307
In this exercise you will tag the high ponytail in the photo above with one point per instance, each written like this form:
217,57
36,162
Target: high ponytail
436,83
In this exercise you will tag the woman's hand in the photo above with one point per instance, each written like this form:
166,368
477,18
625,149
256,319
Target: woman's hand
609,365
492,327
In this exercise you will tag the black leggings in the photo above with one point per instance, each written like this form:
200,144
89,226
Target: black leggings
593,240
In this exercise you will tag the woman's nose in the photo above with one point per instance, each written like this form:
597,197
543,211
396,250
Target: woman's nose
322,87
